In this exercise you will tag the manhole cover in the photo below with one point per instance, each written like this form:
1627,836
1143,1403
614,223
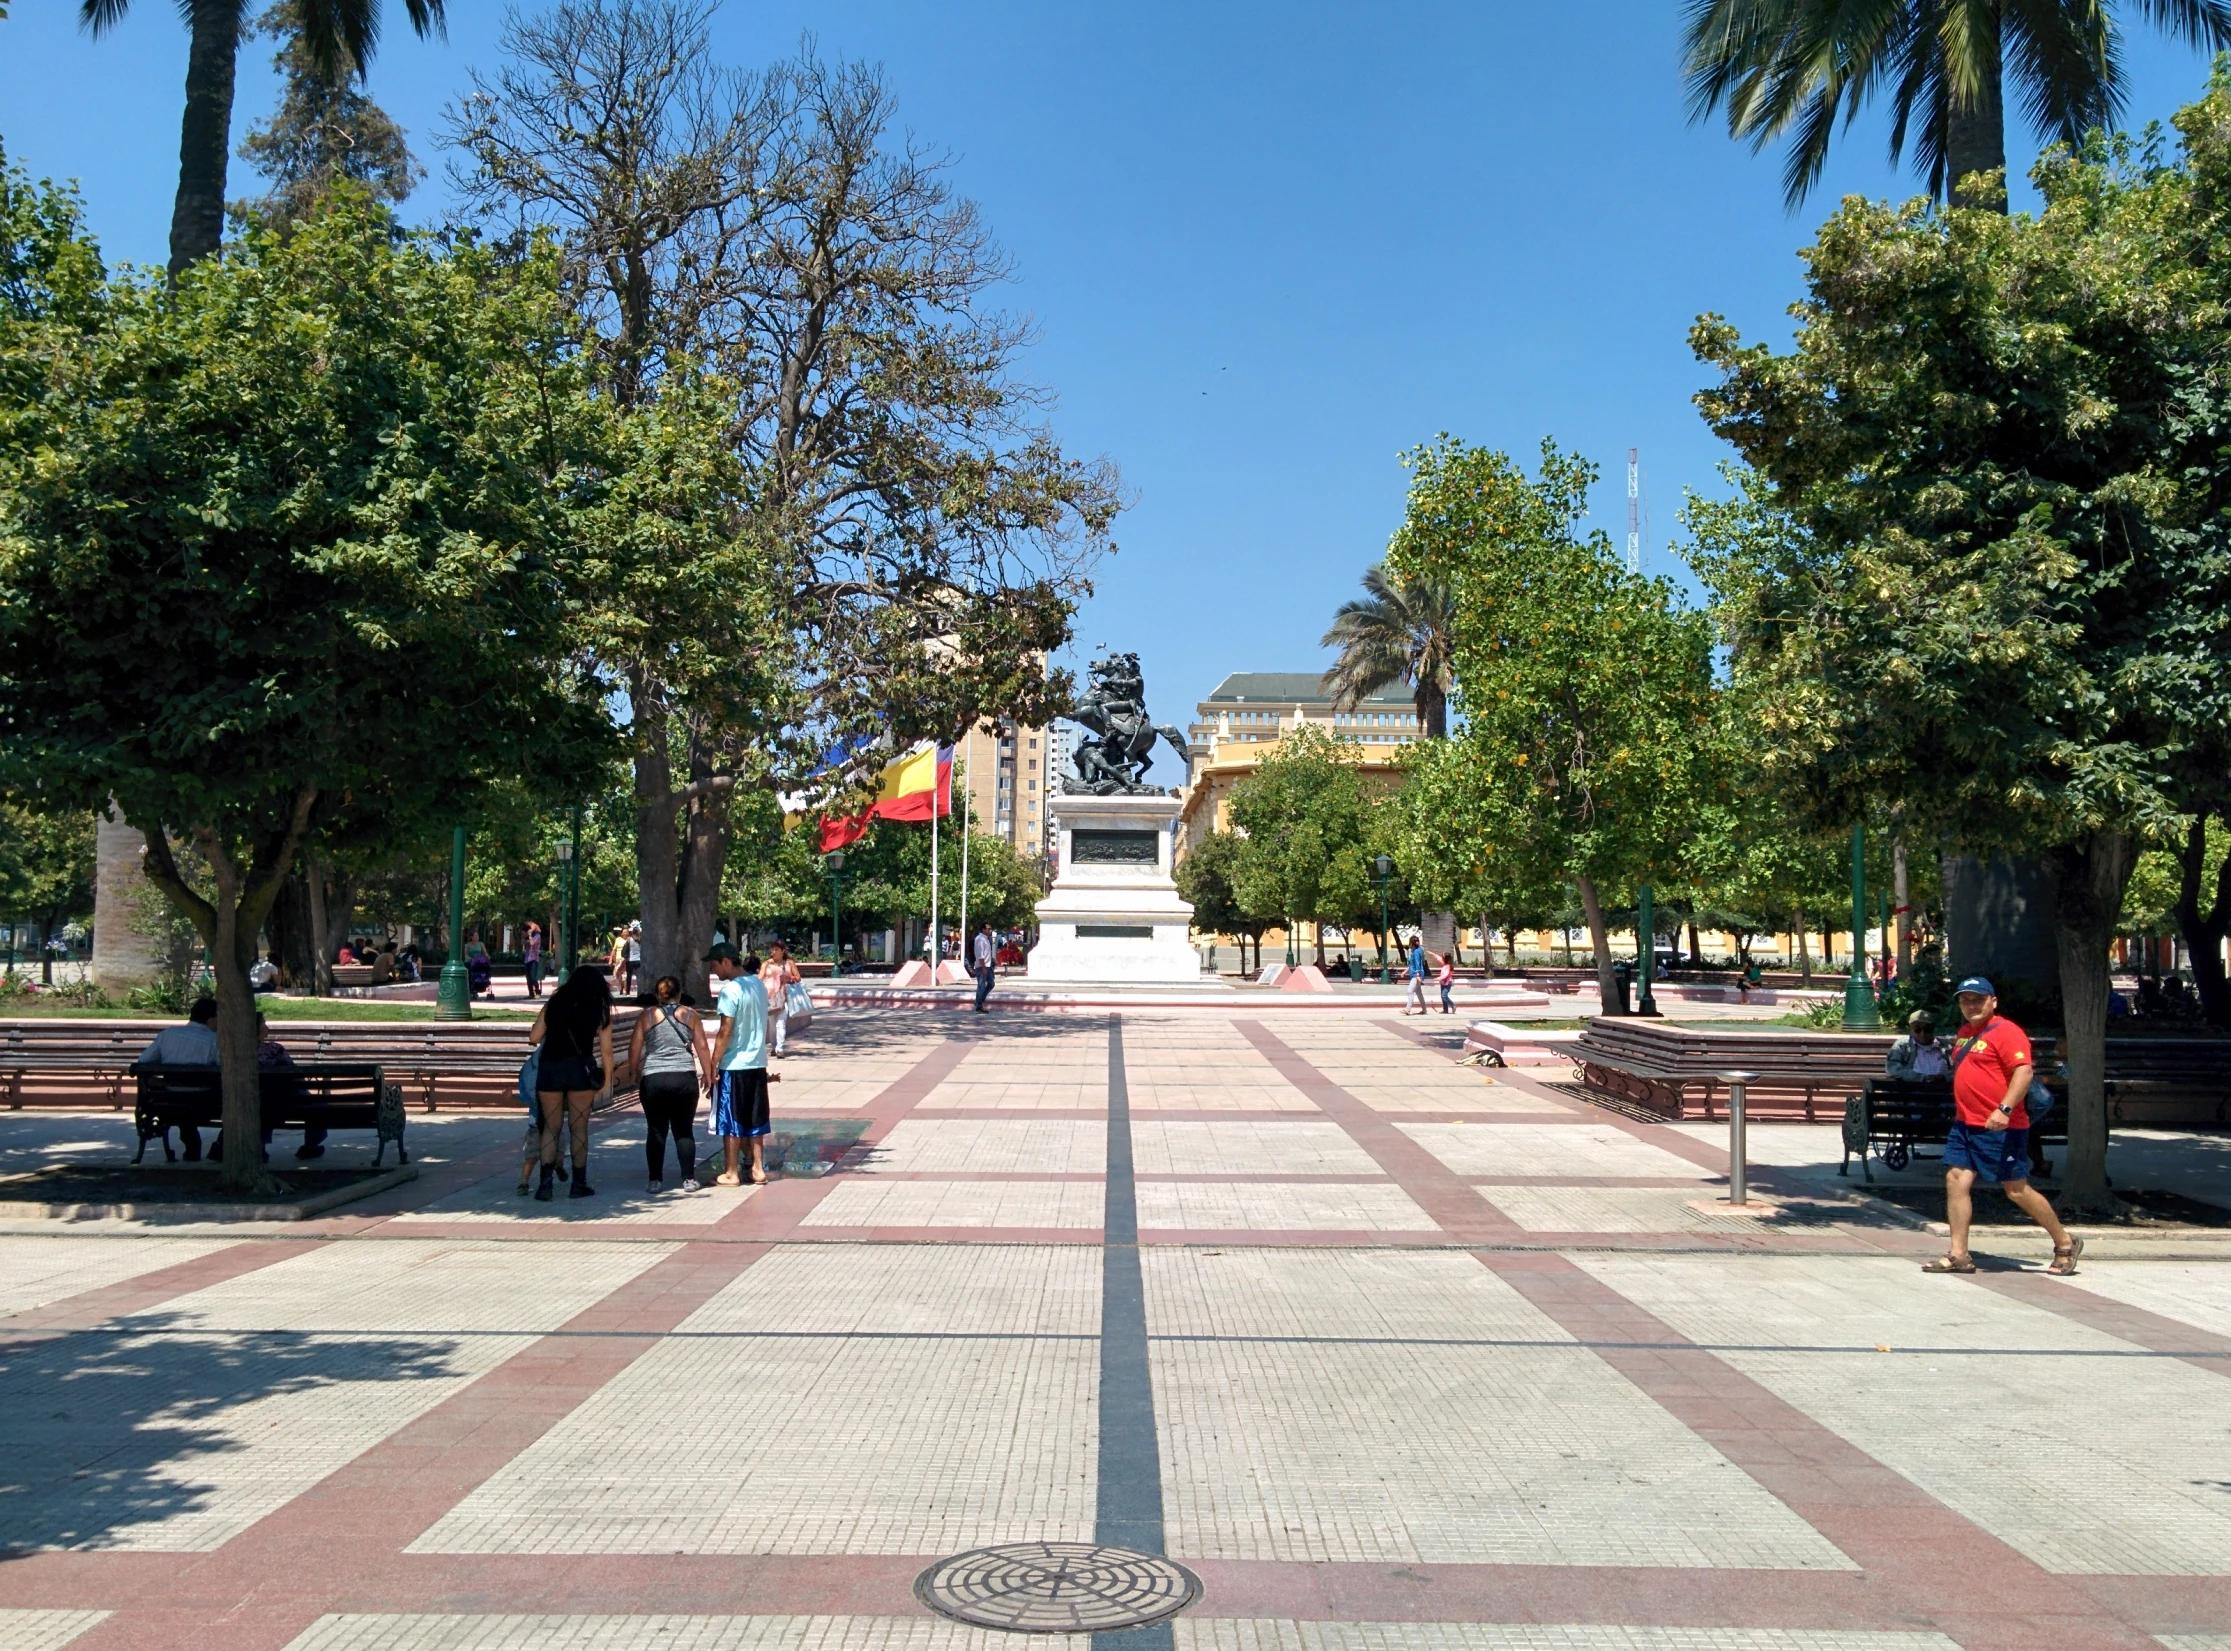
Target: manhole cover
1056,1587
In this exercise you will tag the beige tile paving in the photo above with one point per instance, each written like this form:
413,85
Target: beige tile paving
1273,1147
1372,1294
1271,1205
658,1633
955,1410
1615,1210
2193,1292
984,1146
37,1270
1547,1149
1996,1408
22,1630
620,1197
199,1418
1261,1634
867,1202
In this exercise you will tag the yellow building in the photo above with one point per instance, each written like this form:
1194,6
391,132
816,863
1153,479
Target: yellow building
1006,772
1251,712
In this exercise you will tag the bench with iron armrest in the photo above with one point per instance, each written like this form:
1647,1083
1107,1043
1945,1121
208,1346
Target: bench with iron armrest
1899,1116
294,1097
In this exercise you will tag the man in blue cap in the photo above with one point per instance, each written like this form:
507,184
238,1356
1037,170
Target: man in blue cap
1992,1066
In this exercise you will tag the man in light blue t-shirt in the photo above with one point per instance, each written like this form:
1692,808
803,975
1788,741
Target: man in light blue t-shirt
740,1078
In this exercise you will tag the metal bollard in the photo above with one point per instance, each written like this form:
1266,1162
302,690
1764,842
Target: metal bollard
1738,1172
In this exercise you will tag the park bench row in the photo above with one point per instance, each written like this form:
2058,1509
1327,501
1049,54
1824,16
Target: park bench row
470,1064
327,1097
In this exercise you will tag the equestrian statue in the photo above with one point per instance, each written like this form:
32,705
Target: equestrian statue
1117,758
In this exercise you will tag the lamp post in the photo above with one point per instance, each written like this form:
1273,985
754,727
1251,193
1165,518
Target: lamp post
565,906
1383,869
453,998
1646,932
1859,993
834,861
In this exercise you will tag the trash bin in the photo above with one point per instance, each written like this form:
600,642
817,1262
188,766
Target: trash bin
1623,978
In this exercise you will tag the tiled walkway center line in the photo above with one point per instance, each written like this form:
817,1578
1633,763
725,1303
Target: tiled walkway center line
1128,1513
1918,1555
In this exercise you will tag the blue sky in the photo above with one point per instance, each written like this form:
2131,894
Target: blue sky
1266,248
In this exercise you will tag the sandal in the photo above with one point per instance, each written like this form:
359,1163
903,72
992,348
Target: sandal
2064,1261
1949,1264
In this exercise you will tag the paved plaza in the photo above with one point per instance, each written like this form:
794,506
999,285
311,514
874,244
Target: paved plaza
1389,1352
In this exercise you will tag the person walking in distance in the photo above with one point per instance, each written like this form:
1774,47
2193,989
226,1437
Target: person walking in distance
778,974
574,1033
673,1064
740,1079
1413,1002
1992,1067
984,959
533,949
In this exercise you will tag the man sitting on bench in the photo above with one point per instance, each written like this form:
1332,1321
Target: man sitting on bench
1917,1054
193,1044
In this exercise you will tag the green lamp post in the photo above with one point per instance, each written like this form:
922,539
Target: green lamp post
1859,994
453,998
1646,950
564,959
1383,869
834,862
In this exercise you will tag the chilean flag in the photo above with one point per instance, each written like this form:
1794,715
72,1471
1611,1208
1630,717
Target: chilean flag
917,786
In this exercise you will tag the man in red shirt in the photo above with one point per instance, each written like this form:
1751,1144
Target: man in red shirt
1990,1136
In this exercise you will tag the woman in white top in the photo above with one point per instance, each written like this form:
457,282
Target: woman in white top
778,974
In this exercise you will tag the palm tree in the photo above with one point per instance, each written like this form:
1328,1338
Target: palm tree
1804,66
1397,631
339,35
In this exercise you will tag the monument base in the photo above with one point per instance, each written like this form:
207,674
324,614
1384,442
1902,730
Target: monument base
1114,917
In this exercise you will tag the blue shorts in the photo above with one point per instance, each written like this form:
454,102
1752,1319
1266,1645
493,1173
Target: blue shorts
1994,1154
740,1102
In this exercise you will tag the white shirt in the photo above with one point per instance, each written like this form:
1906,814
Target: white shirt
983,951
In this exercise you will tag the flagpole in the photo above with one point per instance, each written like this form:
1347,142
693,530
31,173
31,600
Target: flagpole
967,818
937,938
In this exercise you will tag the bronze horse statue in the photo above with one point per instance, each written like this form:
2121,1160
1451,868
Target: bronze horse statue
1114,709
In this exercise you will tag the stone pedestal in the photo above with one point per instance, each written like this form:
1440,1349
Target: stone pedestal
125,952
1114,917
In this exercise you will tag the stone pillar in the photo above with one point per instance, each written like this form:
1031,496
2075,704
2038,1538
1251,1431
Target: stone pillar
124,954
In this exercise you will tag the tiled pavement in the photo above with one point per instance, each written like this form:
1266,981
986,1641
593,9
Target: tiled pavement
1402,1359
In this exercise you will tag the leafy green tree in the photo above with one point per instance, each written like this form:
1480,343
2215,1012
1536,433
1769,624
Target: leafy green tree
2001,606
1586,691
1397,631
1306,818
337,40
324,129
2184,888
1808,66
1206,881
46,868
237,501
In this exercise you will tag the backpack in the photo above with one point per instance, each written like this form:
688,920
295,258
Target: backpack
2036,1103
529,1076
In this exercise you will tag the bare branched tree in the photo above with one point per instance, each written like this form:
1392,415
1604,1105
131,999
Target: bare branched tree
900,542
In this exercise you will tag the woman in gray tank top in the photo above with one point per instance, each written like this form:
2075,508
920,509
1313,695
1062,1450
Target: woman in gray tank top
672,1065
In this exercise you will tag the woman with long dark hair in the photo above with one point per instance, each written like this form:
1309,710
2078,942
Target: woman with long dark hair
574,1032
672,1063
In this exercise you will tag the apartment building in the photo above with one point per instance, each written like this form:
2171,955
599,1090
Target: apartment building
1006,772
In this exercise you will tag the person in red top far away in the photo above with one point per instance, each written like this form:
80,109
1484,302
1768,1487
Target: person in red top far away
1990,1135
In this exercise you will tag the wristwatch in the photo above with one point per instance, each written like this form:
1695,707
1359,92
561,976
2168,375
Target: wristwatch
2008,1110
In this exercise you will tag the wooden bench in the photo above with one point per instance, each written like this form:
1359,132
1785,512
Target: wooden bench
1897,1117
293,1097
2169,1080
1675,1070
472,1064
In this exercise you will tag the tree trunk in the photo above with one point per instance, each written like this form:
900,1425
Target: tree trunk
2204,931
197,220
1901,891
704,850
1317,928
2089,877
1975,140
1804,953
658,865
1696,947
1599,936
1433,711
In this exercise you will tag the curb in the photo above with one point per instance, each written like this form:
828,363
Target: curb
309,1207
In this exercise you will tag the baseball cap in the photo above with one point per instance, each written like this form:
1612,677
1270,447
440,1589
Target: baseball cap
720,949
1978,985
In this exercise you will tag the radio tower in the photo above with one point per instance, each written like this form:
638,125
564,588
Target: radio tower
1634,511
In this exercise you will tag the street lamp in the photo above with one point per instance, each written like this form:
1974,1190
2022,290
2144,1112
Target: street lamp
1859,994
1383,869
453,998
565,908
834,861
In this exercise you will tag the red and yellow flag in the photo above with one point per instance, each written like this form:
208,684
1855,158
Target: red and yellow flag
915,787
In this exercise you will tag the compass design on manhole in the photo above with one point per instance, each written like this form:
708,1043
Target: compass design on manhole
1056,1587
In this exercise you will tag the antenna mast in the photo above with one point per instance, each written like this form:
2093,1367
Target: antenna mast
1634,510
